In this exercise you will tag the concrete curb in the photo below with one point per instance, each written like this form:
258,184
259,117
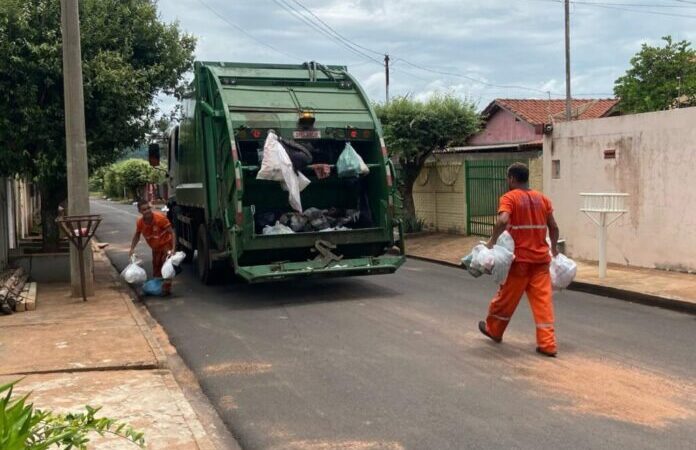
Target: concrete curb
607,291
191,401
635,297
127,295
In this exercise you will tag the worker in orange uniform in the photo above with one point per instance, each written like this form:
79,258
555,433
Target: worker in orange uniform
158,233
526,214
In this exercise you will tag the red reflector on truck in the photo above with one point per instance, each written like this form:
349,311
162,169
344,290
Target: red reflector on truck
233,150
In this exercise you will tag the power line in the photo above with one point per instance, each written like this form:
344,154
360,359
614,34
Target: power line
638,11
328,31
298,15
246,33
345,42
617,7
635,5
632,5
475,80
332,30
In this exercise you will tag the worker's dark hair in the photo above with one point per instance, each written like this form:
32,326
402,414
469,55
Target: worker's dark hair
141,202
519,171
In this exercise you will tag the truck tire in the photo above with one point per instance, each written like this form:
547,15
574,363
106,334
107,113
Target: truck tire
179,227
181,247
208,271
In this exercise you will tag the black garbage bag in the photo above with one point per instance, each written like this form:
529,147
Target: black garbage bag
265,219
300,155
313,213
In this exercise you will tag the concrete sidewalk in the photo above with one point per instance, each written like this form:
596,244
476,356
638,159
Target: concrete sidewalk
102,352
671,290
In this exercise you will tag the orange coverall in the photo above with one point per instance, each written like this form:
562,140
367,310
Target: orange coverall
529,211
158,236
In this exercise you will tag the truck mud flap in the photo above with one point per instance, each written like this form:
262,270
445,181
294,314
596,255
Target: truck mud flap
320,268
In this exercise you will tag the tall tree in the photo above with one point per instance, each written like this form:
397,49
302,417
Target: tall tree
414,129
129,57
659,78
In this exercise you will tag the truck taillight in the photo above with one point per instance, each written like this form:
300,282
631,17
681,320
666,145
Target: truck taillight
353,134
256,134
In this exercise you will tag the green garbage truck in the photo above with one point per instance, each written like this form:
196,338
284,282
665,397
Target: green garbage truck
242,225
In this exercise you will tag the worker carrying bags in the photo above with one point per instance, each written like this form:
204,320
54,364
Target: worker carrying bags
495,261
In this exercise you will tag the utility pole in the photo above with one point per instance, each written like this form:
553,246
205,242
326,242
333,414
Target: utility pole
386,75
678,92
568,112
75,139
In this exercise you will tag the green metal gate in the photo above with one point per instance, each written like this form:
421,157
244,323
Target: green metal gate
486,182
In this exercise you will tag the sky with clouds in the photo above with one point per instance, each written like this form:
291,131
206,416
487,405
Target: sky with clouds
478,49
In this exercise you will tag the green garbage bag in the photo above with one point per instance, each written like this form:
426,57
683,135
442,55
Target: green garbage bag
349,164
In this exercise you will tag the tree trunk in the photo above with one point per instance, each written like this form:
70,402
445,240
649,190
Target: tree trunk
52,194
410,173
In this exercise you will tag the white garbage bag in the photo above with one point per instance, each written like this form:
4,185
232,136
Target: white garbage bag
469,263
278,228
168,271
271,162
503,261
506,241
563,270
277,166
177,258
495,261
133,273
484,257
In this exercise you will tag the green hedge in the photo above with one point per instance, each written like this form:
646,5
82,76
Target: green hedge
127,178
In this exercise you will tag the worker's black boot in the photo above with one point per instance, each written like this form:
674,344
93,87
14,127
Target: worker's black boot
545,353
482,329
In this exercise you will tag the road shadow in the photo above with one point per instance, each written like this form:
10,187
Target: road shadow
236,294
239,295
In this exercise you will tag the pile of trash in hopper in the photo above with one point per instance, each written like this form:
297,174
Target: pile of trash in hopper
311,220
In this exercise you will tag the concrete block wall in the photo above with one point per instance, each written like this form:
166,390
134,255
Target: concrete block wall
536,173
444,207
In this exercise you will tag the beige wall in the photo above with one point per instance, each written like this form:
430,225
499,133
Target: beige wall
442,204
536,173
654,163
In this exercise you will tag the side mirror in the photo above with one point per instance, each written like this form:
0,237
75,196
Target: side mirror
153,154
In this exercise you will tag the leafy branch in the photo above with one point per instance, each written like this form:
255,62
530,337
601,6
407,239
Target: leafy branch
22,427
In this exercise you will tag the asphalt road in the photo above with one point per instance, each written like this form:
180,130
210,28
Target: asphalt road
395,362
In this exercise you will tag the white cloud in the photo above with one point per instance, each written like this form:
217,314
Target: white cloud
503,42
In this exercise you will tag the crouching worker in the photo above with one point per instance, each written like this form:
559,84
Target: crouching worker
159,235
527,214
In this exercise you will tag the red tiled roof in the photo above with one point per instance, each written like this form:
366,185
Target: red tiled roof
537,112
